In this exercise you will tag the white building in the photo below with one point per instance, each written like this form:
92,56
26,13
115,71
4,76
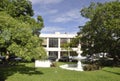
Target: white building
53,44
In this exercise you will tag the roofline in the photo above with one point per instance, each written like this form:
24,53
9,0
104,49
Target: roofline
58,35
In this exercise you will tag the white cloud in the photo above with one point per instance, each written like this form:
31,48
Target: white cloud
45,1
71,15
52,29
46,12
49,11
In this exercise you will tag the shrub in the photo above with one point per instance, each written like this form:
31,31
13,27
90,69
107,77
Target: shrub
91,67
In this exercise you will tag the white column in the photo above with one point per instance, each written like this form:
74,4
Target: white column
68,51
58,55
47,42
59,48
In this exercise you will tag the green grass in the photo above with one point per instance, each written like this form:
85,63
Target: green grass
28,73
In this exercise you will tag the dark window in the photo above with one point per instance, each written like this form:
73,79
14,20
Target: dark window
53,54
53,42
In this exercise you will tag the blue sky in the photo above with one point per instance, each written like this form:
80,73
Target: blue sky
61,15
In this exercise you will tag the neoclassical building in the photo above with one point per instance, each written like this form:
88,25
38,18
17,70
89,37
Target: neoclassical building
53,44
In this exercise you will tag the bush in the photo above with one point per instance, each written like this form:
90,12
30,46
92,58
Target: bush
91,67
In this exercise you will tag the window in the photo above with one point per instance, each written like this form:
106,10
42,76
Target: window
64,53
53,54
53,42
73,53
63,41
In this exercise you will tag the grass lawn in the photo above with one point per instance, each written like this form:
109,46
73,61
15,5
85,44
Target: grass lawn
26,72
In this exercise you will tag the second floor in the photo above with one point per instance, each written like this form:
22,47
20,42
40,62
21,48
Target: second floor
56,40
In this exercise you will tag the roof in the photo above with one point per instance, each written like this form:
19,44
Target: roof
58,35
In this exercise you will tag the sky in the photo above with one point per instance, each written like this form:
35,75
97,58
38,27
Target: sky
61,15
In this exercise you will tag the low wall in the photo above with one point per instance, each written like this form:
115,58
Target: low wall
45,63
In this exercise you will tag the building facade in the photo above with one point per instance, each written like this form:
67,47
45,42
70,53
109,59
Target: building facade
53,44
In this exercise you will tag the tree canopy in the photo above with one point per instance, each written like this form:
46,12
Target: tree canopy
101,34
19,31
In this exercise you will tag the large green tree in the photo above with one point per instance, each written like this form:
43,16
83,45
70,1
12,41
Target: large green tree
101,34
19,31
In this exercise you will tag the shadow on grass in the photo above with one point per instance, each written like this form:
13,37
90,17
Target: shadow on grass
6,71
117,73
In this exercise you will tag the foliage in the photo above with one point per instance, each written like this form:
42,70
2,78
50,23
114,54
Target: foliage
91,67
16,8
102,33
90,11
17,38
19,31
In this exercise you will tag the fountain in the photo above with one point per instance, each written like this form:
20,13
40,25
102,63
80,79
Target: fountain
78,66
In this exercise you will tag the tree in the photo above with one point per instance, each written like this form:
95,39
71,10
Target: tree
17,8
22,10
90,11
3,4
17,38
19,31
102,32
